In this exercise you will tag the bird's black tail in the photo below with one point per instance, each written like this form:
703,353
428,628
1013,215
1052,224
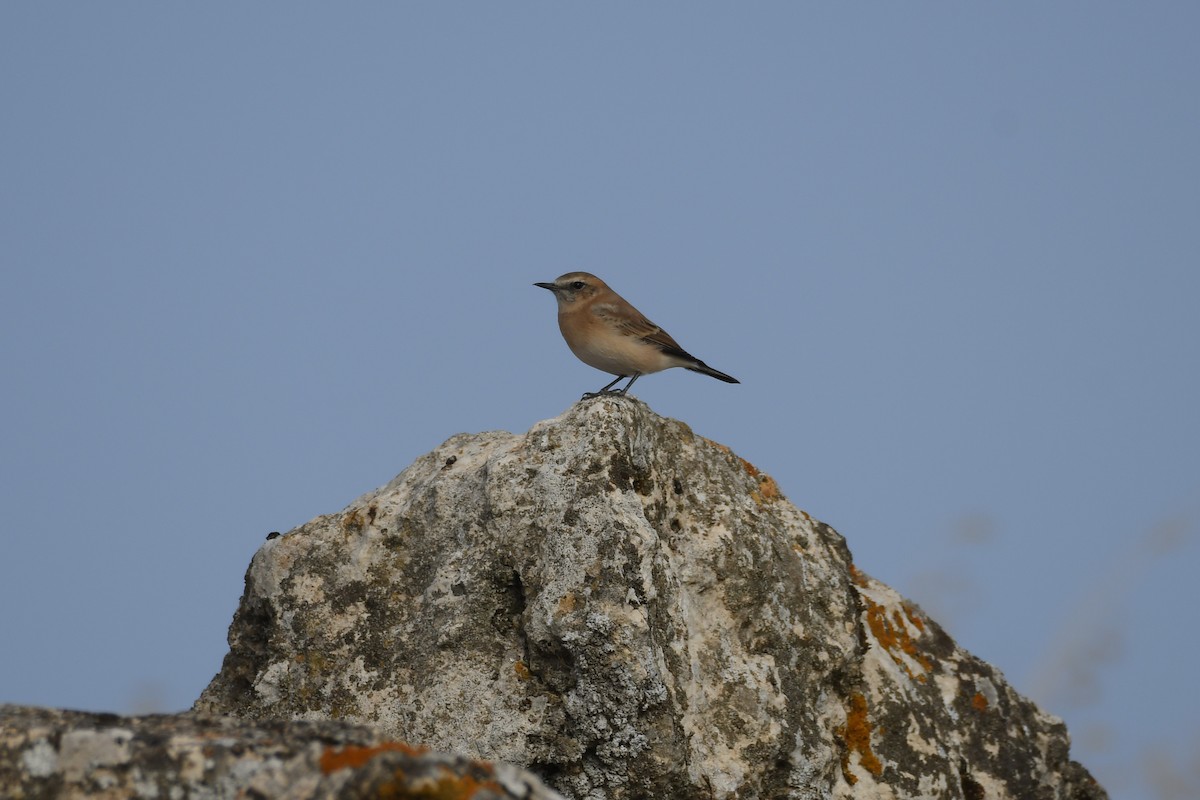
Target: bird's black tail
705,369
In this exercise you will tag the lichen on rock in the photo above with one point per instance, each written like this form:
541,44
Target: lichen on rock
73,754
632,611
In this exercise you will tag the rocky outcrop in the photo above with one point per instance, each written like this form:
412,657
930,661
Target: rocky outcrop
631,611
70,754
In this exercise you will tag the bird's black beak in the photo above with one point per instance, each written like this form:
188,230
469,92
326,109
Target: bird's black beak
549,286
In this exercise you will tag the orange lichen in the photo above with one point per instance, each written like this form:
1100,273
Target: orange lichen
522,670
353,756
856,733
859,577
447,787
979,702
915,618
768,489
892,634
568,603
723,448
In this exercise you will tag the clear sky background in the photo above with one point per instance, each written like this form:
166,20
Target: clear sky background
257,258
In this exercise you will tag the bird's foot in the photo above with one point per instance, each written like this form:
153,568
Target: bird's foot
603,393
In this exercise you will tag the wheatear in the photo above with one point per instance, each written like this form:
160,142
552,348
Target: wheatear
604,331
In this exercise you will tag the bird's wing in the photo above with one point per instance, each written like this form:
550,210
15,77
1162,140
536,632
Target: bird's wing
629,320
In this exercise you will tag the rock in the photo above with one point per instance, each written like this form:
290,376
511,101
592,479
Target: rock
631,611
72,754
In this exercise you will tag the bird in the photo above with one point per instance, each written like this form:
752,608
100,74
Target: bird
605,331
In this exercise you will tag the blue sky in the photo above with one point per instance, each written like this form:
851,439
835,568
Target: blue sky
256,259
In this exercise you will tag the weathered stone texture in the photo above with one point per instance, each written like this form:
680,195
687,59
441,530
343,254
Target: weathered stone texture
70,754
632,611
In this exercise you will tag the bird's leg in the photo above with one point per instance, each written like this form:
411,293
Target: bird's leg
605,390
622,392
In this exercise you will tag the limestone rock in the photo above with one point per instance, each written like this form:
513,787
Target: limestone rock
71,754
631,611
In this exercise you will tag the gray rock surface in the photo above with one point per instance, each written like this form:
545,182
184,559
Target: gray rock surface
70,754
632,611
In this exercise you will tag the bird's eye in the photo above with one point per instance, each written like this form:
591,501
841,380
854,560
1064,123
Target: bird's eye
577,285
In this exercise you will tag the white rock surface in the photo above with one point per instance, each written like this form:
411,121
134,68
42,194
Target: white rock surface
49,753
632,611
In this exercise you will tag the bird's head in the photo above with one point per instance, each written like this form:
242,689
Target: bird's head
574,286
